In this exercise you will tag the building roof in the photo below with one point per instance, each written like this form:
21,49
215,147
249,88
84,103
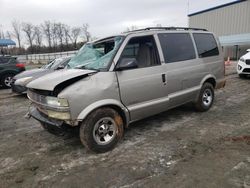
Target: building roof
217,7
231,40
6,42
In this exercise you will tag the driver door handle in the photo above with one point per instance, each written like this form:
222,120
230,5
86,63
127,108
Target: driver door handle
163,77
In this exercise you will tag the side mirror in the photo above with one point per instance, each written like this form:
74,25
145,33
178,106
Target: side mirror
126,63
60,67
248,50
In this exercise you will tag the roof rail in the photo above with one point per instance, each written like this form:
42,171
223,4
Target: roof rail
168,28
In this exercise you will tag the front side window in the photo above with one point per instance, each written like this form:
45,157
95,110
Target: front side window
206,44
176,47
142,50
96,56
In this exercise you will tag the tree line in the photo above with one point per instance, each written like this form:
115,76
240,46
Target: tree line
46,37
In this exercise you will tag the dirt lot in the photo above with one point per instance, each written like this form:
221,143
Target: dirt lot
178,148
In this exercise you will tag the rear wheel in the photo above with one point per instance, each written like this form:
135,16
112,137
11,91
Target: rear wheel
101,130
206,98
6,80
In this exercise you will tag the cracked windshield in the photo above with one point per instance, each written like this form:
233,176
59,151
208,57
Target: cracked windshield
96,56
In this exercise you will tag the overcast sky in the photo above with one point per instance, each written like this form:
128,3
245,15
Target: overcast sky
105,17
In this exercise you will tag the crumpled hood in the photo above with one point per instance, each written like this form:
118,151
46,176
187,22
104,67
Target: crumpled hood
35,73
50,81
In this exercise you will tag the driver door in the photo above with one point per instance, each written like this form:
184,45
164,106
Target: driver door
143,88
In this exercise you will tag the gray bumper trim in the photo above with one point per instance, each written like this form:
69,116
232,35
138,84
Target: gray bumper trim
38,116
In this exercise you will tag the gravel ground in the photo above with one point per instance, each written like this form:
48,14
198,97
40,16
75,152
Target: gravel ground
177,148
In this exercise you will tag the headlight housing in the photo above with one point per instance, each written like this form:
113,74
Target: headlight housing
57,102
242,60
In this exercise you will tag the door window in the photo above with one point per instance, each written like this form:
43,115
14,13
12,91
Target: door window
176,47
206,44
142,50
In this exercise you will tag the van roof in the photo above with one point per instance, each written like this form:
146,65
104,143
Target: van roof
167,29
150,29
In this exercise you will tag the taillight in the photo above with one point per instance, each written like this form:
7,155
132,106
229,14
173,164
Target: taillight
20,65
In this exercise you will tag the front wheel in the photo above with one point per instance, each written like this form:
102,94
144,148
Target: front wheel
101,130
206,98
242,75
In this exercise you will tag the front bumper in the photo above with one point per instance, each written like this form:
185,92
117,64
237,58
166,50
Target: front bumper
18,89
33,112
44,119
243,68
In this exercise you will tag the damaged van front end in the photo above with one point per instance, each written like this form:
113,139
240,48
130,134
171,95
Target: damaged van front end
67,97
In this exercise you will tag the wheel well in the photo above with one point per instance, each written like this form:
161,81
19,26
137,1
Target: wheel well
120,112
211,81
7,72
117,109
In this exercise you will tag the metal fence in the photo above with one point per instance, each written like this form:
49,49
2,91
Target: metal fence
44,57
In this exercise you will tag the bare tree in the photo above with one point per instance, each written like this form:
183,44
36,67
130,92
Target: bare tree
66,30
47,31
8,35
86,32
17,32
60,33
38,36
28,29
1,32
54,35
131,28
75,32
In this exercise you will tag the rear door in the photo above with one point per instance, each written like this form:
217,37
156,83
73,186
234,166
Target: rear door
184,69
143,89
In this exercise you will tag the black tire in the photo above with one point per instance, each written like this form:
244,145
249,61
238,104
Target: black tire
52,130
242,75
6,78
99,124
206,98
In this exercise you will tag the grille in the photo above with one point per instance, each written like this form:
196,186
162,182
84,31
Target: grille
40,99
248,61
246,70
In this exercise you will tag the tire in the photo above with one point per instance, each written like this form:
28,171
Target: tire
52,130
206,98
6,80
101,130
242,75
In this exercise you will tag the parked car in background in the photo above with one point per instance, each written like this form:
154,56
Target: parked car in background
243,67
117,80
20,81
9,67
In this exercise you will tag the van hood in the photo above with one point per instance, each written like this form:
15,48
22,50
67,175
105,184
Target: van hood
50,81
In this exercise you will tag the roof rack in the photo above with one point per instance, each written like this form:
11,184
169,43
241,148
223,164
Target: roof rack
168,28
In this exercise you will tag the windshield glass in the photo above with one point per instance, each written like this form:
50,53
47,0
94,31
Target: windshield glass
97,56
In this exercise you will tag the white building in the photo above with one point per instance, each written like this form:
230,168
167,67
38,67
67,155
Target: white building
230,22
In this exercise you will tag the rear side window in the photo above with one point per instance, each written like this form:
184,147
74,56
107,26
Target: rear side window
176,47
206,45
4,60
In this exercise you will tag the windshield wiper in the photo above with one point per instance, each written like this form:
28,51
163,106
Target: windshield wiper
87,68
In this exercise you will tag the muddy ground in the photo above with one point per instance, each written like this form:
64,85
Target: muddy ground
177,148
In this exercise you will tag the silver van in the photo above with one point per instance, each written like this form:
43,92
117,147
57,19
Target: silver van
117,80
